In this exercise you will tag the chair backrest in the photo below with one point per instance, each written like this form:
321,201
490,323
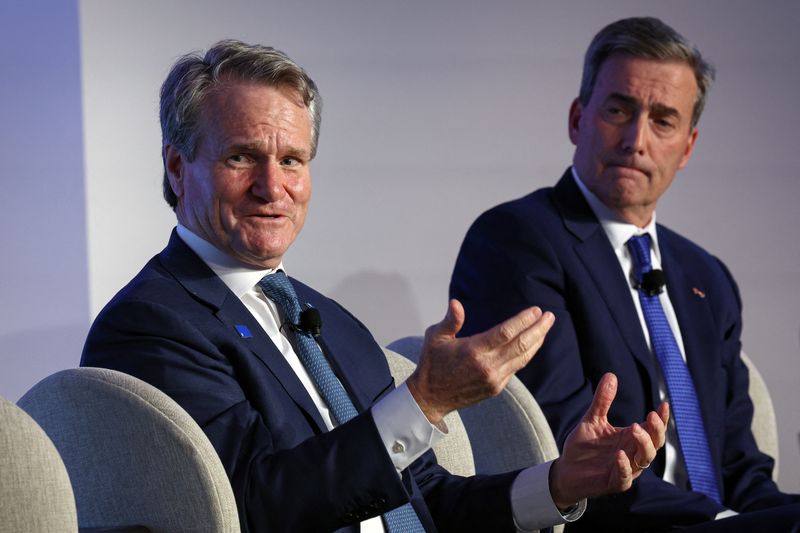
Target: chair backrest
453,452
764,425
134,456
35,492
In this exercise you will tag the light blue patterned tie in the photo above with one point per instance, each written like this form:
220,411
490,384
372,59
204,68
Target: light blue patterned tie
680,387
278,289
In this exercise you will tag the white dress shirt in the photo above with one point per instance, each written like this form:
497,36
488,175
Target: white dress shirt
403,427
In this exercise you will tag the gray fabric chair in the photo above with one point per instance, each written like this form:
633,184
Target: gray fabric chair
134,456
35,492
765,424
453,452
507,432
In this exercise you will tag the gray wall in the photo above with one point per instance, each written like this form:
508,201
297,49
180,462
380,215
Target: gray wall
434,112
44,291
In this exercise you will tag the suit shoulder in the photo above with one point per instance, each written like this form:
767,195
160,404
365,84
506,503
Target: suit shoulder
537,199
528,214
329,308
705,264
683,247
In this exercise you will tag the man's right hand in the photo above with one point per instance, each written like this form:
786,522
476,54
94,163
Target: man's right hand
599,458
456,372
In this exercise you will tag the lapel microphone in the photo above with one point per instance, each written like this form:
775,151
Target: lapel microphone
653,282
310,321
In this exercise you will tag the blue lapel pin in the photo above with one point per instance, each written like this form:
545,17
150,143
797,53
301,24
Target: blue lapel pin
244,331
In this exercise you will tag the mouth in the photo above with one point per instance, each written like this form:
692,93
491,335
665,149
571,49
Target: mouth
626,169
269,217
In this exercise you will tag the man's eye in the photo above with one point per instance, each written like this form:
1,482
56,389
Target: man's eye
240,160
616,114
664,125
289,162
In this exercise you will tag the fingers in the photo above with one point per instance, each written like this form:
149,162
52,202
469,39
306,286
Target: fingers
623,475
645,448
603,397
663,412
508,330
656,425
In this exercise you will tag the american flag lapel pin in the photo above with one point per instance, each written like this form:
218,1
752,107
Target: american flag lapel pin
698,292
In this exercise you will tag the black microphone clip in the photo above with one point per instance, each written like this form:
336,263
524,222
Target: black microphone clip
310,321
653,282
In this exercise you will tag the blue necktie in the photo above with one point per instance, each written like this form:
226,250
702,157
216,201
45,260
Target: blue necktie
278,289
680,387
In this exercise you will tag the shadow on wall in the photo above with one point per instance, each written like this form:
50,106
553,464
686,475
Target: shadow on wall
383,301
26,357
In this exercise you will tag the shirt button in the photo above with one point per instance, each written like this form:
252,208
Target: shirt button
398,447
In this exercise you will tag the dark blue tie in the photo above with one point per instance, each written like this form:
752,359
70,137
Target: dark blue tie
278,289
680,387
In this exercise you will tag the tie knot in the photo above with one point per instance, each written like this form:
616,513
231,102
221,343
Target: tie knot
276,287
639,246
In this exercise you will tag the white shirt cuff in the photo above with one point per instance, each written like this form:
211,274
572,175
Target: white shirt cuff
727,513
532,504
403,427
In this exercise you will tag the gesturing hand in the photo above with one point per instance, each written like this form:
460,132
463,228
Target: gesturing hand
457,372
599,458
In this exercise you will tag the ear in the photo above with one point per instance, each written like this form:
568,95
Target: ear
174,166
689,148
573,125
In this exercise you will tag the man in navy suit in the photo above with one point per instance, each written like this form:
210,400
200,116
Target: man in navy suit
240,128
634,125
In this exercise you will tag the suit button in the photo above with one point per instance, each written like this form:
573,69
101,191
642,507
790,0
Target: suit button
350,517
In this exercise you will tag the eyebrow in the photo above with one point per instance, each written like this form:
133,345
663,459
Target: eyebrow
255,146
657,108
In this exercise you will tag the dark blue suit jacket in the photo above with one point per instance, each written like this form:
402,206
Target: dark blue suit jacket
548,249
174,326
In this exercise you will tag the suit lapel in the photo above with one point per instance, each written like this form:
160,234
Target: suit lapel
594,250
200,281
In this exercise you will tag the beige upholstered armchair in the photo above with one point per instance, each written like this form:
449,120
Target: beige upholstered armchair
35,491
134,456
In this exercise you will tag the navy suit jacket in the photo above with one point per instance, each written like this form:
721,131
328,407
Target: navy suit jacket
175,326
548,249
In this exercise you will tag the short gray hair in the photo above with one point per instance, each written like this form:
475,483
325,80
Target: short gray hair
646,38
194,76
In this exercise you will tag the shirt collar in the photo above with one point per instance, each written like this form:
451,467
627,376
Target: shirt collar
238,276
618,232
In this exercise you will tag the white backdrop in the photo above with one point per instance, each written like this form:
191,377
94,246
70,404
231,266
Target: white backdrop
433,113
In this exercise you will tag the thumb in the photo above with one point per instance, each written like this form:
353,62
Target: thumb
453,321
603,397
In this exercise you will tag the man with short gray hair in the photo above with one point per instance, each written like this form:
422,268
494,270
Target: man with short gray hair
589,251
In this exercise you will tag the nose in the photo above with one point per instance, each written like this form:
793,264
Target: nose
268,181
634,135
